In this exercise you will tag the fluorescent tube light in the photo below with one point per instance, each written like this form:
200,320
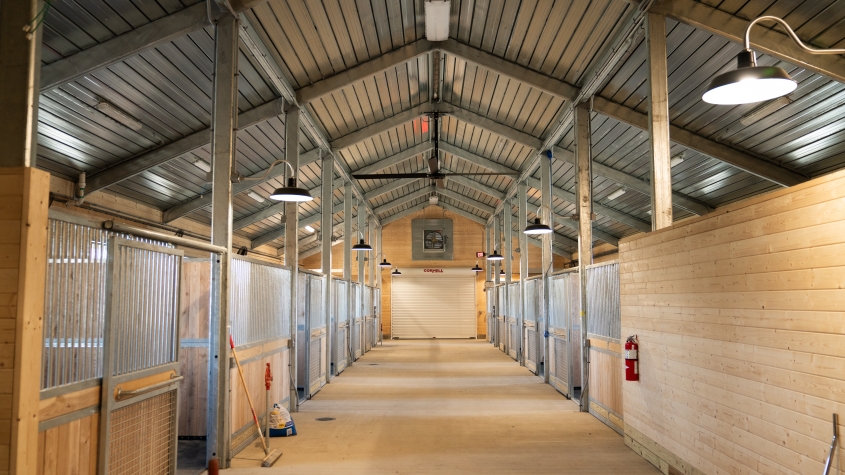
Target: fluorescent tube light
256,197
120,116
203,165
309,229
616,194
679,158
437,21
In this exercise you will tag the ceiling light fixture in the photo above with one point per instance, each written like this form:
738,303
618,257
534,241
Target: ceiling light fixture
677,159
476,269
202,165
751,83
538,227
384,264
616,194
256,196
362,246
396,272
437,21
495,256
309,229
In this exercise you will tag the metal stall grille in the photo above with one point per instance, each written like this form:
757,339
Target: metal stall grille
341,348
491,321
141,344
355,321
317,319
603,301
564,304
144,428
514,313
260,303
368,318
532,310
74,302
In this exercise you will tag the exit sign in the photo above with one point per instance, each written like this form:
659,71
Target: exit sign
480,254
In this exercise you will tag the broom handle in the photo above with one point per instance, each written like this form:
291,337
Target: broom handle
248,398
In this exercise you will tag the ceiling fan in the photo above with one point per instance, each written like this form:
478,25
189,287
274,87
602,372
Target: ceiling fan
434,172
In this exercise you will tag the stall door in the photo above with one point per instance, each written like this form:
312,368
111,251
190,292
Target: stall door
433,304
140,390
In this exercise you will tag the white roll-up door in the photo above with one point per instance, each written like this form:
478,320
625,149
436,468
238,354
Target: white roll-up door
433,303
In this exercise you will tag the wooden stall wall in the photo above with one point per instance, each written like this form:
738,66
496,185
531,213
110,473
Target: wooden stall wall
607,369
741,321
193,353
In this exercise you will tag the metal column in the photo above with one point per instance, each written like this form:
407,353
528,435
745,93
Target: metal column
223,122
585,235
488,265
371,232
348,242
497,246
522,199
547,240
326,227
508,236
292,246
658,123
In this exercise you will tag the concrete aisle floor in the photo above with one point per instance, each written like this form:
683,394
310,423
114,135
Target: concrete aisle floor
443,406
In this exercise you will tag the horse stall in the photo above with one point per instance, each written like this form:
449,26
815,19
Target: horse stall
355,324
260,328
565,296
604,327
514,328
112,360
311,334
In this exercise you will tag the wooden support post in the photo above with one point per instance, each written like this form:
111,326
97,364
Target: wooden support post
585,235
658,123
292,248
522,198
547,241
224,123
326,228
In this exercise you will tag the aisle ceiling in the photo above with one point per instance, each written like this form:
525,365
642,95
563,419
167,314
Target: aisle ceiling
365,77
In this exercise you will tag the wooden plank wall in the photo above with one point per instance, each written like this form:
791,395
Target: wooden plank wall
193,324
607,370
741,321
69,448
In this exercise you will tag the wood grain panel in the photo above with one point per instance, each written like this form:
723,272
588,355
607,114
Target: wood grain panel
741,321
69,448
193,361
240,415
606,375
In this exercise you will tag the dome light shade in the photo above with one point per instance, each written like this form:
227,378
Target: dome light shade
495,256
476,268
291,192
362,246
395,272
537,228
384,264
749,83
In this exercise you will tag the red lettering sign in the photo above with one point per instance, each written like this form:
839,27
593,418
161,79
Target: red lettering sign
433,271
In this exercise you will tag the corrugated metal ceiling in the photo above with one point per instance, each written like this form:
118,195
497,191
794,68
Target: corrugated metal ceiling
168,89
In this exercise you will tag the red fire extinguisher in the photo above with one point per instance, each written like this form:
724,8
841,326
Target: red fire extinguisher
632,366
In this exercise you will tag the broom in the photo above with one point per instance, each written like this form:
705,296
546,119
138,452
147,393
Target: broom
270,456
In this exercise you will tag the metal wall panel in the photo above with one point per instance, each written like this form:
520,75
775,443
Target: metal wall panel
260,305
603,301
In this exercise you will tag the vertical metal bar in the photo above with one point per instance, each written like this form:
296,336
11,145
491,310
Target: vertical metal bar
497,246
106,391
326,226
585,235
522,198
658,123
508,236
224,123
292,244
547,240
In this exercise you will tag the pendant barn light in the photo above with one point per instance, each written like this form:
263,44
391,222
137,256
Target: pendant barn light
362,246
383,264
396,272
495,256
538,227
476,268
291,192
751,83
502,272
